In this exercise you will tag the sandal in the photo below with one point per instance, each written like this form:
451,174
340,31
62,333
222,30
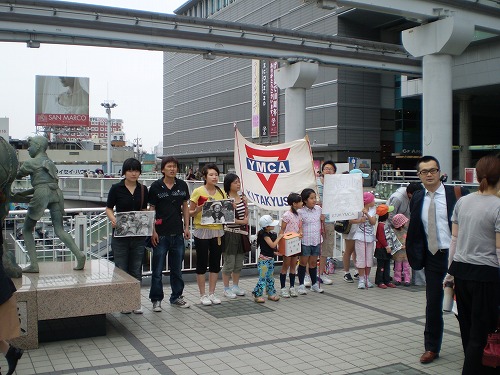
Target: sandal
273,297
259,299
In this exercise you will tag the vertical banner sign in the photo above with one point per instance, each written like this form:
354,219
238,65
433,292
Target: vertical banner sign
269,173
264,98
62,101
273,100
255,98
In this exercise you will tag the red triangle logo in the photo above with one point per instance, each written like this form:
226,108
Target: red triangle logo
278,154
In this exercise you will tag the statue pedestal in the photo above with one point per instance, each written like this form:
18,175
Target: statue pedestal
61,303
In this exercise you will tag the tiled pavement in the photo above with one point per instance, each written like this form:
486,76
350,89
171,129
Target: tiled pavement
343,331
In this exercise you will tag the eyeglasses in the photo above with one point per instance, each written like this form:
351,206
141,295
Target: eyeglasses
425,172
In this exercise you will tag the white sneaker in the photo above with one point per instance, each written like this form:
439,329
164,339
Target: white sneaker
238,291
307,281
293,292
361,285
302,289
228,293
316,288
157,306
138,311
213,298
369,283
205,300
326,280
284,293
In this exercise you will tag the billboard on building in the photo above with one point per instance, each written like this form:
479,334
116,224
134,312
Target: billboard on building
4,128
264,99
62,101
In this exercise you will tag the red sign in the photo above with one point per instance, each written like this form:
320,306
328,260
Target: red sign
58,119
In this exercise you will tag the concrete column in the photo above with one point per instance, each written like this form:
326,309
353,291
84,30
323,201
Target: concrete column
437,42
437,113
465,123
295,79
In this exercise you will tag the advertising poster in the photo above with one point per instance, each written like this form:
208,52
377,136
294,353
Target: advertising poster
61,101
264,98
273,100
255,98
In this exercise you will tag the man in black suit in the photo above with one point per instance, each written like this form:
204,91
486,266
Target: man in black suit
429,248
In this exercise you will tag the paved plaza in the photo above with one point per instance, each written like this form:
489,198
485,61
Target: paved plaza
343,331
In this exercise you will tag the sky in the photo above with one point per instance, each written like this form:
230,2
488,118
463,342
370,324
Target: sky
133,79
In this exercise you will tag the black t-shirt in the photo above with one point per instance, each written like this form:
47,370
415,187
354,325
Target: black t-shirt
119,196
265,249
168,205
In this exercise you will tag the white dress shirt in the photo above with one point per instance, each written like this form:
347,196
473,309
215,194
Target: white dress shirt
443,229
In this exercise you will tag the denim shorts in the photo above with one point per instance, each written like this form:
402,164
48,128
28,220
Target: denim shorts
310,250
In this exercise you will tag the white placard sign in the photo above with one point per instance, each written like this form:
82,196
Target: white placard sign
342,196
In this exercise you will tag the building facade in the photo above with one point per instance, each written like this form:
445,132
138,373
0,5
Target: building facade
348,113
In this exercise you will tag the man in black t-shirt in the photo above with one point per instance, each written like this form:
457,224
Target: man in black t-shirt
169,198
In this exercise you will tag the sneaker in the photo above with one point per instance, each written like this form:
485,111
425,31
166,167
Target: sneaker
391,285
398,283
228,293
293,292
356,276
361,285
302,289
205,300
348,278
138,311
181,302
370,284
238,291
316,288
407,284
307,281
213,298
157,306
325,280
125,312
382,286
285,293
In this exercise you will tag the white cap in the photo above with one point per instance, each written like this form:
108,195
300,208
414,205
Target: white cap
268,221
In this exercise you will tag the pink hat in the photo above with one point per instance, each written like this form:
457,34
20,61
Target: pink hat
399,220
368,197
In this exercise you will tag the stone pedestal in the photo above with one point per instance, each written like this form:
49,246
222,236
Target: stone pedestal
59,296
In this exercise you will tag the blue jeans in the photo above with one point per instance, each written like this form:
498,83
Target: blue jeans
128,253
174,246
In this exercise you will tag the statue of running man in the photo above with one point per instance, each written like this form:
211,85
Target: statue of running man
46,194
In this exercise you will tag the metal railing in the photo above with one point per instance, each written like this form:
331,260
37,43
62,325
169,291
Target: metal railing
92,233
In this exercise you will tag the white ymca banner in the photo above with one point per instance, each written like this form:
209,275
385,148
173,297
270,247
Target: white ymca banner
269,173
342,196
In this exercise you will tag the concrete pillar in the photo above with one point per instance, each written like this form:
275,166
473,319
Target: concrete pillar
465,123
437,114
437,42
295,79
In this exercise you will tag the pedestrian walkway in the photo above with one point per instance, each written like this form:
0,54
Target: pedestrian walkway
342,331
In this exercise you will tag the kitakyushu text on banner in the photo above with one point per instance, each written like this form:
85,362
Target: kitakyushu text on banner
269,173
342,196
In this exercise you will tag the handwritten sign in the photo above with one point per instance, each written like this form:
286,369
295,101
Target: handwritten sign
342,196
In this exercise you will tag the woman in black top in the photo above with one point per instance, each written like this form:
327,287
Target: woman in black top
128,195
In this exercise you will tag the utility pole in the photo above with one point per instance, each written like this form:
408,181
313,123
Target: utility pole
109,104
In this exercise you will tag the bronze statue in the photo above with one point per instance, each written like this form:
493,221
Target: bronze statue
8,170
44,194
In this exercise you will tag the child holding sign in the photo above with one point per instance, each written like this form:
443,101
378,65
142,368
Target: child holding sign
290,222
364,241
